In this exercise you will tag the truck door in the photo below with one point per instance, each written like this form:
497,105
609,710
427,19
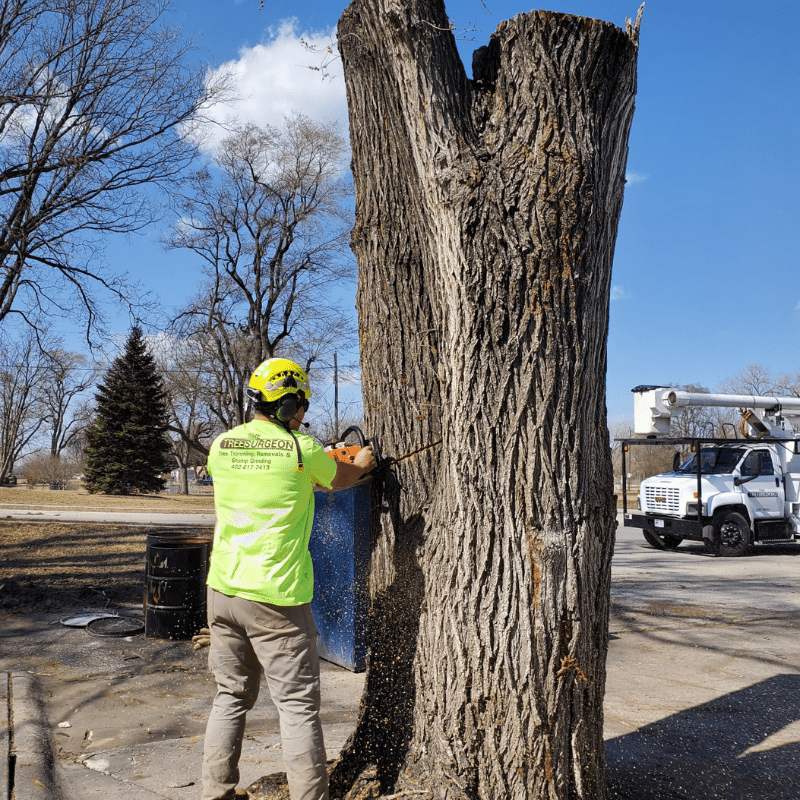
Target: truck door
765,492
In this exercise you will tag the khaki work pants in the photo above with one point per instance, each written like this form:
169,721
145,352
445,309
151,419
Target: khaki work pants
246,637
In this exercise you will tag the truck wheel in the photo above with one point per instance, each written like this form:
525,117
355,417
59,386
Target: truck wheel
665,542
731,534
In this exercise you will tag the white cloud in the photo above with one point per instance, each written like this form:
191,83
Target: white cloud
282,75
635,177
618,293
797,307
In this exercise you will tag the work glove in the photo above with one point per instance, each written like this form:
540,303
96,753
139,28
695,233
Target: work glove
203,639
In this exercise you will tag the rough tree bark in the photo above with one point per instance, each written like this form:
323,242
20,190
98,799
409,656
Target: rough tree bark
486,217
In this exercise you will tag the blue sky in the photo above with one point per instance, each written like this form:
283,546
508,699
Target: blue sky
706,278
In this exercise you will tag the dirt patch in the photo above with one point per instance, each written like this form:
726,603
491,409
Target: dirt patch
53,566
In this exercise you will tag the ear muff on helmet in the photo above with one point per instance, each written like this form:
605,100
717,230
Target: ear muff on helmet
287,407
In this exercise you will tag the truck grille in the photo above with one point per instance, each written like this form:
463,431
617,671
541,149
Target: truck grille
662,499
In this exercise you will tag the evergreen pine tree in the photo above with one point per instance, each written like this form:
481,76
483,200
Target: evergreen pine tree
126,446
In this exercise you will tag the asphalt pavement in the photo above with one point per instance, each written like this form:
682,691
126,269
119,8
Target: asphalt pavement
702,700
703,687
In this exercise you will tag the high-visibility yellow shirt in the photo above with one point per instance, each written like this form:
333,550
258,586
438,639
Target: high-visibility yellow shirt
265,509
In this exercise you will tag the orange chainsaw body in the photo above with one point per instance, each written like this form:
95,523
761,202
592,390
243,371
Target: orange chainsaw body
346,453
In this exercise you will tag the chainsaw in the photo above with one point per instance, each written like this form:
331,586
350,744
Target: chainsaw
339,450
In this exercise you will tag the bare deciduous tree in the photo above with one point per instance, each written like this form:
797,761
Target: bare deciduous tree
24,375
328,425
486,216
64,415
95,103
757,379
688,421
190,392
271,225
44,468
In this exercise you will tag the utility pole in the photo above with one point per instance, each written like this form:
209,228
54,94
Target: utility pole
335,394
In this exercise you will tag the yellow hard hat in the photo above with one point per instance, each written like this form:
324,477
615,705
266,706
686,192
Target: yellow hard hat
277,377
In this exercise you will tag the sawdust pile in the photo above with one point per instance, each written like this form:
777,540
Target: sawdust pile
366,787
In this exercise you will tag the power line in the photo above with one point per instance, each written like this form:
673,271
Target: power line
171,371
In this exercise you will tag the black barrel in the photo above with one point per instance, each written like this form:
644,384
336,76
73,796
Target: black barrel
175,591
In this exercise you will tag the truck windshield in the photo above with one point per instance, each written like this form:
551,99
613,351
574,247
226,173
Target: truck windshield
715,461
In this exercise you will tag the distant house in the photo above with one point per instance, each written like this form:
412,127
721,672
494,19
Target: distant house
191,475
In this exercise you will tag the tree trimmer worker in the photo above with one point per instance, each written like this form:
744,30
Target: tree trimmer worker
261,581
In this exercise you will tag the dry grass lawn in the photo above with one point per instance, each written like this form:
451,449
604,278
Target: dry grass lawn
55,566
24,497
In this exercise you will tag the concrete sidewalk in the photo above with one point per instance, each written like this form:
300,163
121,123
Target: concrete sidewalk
107,718
703,692
41,514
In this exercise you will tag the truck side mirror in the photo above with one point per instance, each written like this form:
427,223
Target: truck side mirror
676,461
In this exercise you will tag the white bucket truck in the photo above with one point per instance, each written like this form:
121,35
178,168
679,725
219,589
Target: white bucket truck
731,492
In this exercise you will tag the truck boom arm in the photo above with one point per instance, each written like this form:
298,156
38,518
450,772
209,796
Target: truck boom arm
676,398
653,408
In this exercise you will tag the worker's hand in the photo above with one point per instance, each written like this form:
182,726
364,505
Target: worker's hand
365,459
203,639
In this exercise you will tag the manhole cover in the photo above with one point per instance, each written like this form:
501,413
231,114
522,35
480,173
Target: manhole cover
83,618
115,626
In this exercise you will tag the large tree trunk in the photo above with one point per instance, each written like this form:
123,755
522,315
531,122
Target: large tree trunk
486,215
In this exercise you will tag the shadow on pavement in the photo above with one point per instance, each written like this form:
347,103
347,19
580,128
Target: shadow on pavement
697,549
733,748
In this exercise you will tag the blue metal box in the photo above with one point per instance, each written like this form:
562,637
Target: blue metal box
340,550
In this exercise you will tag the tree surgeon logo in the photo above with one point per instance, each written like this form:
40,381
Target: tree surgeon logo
762,494
255,444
